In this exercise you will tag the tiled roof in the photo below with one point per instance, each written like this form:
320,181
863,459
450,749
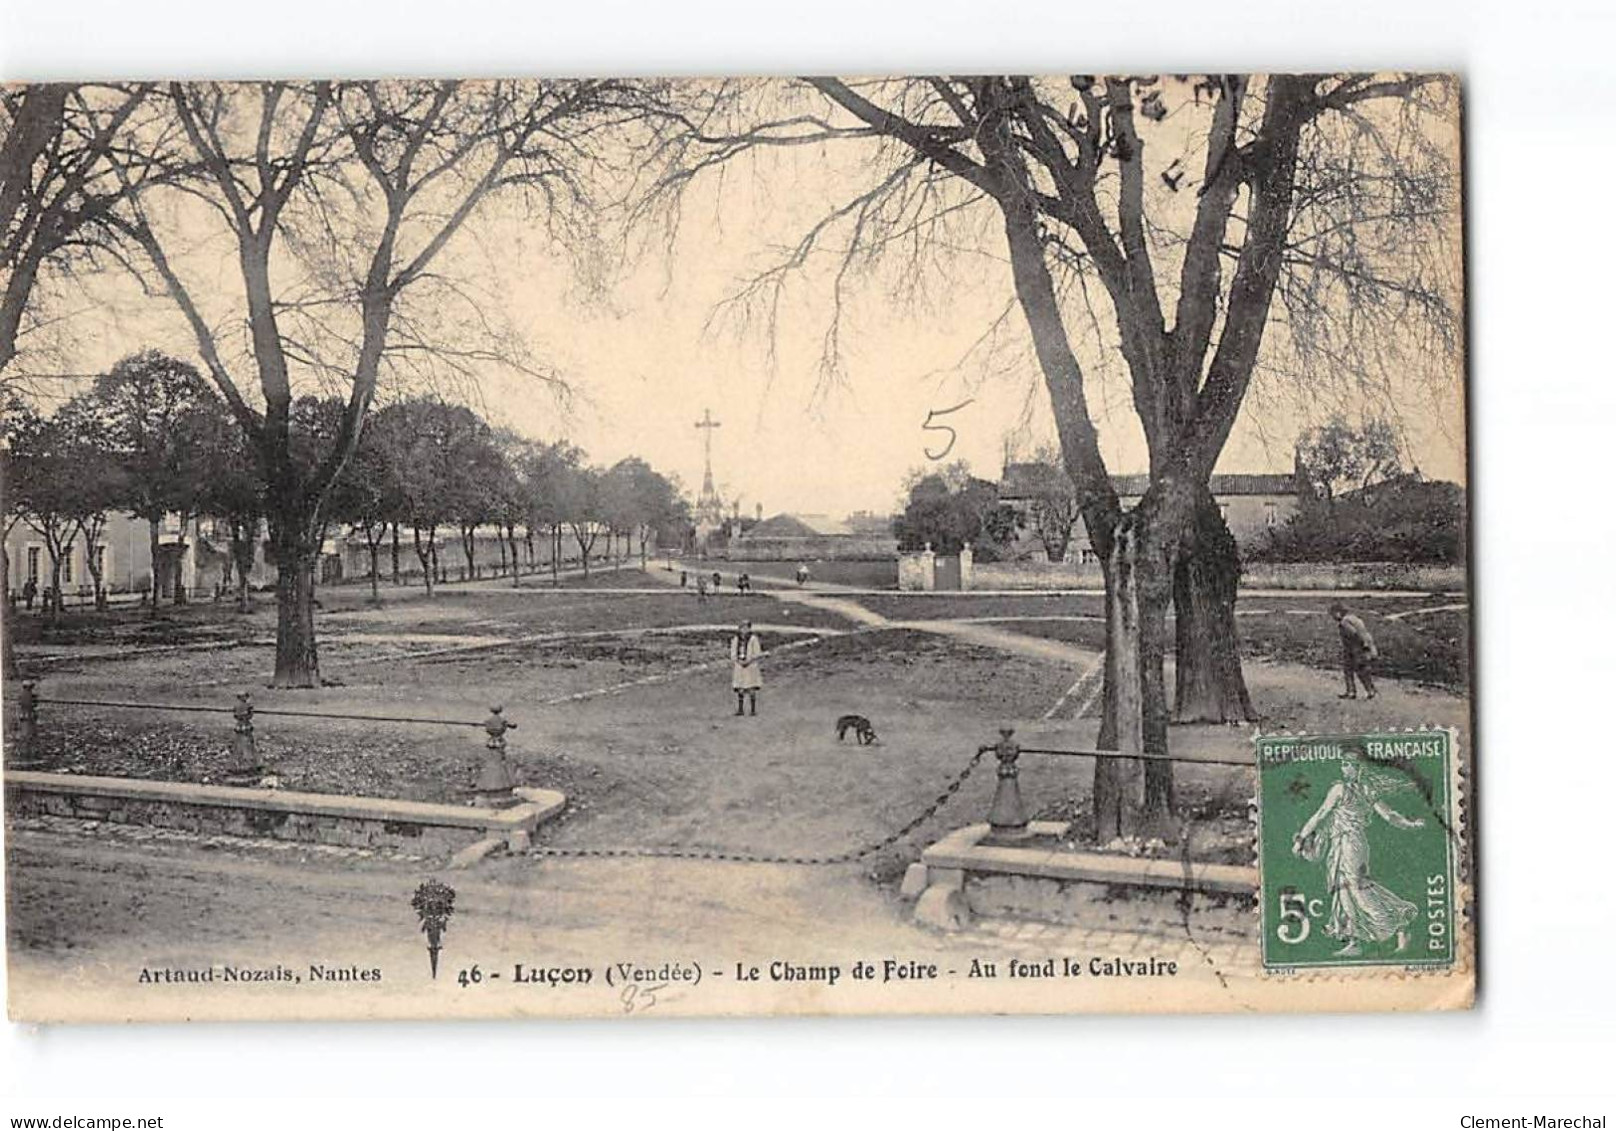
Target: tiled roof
801,526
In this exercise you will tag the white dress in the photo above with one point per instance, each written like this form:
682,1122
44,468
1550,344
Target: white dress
745,676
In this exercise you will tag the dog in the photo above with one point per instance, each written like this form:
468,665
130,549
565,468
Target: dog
859,725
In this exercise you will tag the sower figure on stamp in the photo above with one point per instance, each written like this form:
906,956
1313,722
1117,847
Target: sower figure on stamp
1361,910
746,672
1357,652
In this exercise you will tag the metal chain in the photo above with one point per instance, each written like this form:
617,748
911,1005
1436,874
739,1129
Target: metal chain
675,853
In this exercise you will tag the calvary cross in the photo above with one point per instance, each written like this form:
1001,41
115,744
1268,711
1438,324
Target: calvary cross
707,424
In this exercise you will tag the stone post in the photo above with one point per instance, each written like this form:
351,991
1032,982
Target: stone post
244,767
494,782
25,732
967,560
928,568
1007,816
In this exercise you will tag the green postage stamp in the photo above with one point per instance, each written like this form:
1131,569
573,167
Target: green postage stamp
1357,841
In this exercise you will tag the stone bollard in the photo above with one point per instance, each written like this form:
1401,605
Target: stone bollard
24,734
244,766
494,783
1007,816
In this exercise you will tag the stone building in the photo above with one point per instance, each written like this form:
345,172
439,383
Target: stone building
1252,504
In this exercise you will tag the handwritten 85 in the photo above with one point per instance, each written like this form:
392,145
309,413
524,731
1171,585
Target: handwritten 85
1297,911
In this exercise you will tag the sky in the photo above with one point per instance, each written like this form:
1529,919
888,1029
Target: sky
651,345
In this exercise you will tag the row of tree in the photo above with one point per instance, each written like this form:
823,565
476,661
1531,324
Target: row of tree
152,439
426,466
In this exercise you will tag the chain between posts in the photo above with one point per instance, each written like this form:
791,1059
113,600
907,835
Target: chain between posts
208,708
848,857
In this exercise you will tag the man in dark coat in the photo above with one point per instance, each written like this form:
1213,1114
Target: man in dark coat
1357,652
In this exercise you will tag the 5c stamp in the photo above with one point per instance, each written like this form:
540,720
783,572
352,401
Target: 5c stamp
1356,844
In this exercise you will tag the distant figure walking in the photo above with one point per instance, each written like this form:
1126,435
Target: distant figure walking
802,574
744,583
701,587
684,579
717,579
1357,652
30,590
746,672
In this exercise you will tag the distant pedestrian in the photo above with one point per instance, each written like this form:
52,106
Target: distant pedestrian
746,673
701,587
684,579
744,583
1358,651
717,577
30,590
802,574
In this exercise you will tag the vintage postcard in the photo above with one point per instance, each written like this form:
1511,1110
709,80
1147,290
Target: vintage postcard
618,547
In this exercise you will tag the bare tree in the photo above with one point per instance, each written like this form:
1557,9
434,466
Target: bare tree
583,491
66,164
339,199
1174,212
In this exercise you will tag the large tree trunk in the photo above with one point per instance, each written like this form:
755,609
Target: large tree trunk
1209,685
1134,796
297,555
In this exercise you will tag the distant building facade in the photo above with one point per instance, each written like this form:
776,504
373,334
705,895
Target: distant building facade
1251,504
193,554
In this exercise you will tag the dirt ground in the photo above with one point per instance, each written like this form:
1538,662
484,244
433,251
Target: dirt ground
621,696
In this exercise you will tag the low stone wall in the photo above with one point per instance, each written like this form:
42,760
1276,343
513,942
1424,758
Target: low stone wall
314,818
1352,575
1032,574
959,877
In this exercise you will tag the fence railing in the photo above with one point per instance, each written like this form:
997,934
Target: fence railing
1008,817
245,766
